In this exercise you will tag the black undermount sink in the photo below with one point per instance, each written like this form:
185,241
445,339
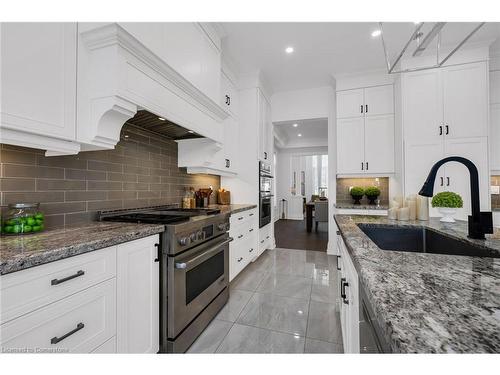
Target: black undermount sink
422,240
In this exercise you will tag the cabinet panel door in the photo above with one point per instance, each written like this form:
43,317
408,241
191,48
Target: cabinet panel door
422,106
138,297
350,146
379,144
379,100
230,144
457,175
419,159
350,103
495,137
38,73
495,86
465,97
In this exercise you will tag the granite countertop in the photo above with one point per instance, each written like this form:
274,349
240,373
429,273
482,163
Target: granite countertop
352,206
428,303
233,208
21,252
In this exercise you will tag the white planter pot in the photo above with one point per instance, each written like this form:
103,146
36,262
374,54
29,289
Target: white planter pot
448,214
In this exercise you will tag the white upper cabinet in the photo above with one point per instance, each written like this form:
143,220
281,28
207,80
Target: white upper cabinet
379,100
422,106
350,145
379,144
495,136
265,127
445,113
228,95
465,100
350,103
365,130
38,84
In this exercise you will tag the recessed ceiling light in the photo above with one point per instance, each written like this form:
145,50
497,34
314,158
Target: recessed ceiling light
295,125
376,33
289,49
299,135
161,119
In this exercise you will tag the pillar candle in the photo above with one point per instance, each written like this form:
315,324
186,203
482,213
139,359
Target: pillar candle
412,205
394,204
422,208
404,214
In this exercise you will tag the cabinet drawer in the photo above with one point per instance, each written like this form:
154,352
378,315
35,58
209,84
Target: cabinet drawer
27,290
77,324
244,217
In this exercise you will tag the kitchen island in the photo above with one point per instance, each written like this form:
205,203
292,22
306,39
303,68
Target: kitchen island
428,303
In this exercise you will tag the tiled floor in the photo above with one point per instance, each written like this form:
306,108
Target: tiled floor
282,303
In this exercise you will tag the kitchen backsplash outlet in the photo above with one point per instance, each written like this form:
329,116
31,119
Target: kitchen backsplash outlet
343,185
141,171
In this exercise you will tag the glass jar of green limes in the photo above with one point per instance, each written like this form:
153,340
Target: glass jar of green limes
23,218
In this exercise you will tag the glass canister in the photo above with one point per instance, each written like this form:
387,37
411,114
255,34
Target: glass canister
23,218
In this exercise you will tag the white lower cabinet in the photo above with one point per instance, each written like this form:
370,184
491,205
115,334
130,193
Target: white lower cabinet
138,296
102,302
76,324
348,300
244,247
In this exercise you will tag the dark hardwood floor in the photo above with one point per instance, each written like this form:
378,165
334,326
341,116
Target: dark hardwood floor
292,234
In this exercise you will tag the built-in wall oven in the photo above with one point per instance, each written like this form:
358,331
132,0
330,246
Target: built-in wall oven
265,193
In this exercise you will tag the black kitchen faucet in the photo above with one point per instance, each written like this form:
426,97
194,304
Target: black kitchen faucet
479,222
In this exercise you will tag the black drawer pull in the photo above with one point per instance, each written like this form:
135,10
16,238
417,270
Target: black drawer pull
240,236
239,259
55,340
240,218
338,268
250,250
250,230
262,241
251,215
60,281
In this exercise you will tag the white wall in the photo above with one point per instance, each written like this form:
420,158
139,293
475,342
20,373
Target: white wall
301,104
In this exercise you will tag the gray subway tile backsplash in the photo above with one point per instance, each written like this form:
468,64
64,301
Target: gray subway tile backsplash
141,171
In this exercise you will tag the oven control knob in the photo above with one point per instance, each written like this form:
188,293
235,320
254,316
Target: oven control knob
199,235
184,241
193,237
222,227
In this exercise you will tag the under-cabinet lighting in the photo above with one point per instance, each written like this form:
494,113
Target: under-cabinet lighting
190,131
161,119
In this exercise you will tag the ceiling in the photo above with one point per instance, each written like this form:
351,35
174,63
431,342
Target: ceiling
314,133
324,49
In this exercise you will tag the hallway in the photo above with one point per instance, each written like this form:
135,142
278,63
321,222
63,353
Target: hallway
292,234
282,303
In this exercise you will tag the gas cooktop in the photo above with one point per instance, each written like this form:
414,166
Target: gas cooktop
156,215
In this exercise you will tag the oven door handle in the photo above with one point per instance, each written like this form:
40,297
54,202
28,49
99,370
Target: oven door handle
198,258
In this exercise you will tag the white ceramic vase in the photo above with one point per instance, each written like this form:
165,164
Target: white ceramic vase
448,214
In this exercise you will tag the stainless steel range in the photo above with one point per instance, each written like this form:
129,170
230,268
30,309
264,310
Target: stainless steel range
194,269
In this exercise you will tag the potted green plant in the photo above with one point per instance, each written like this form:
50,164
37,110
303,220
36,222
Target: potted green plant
372,193
357,193
447,202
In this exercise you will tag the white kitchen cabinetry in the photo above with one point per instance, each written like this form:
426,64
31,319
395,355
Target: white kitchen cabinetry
38,70
244,248
495,120
365,131
138,296
445,113
229,95
87,303
265,127
348,300
265,238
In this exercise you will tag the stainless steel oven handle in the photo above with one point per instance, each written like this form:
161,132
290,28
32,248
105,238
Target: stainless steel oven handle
206,254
